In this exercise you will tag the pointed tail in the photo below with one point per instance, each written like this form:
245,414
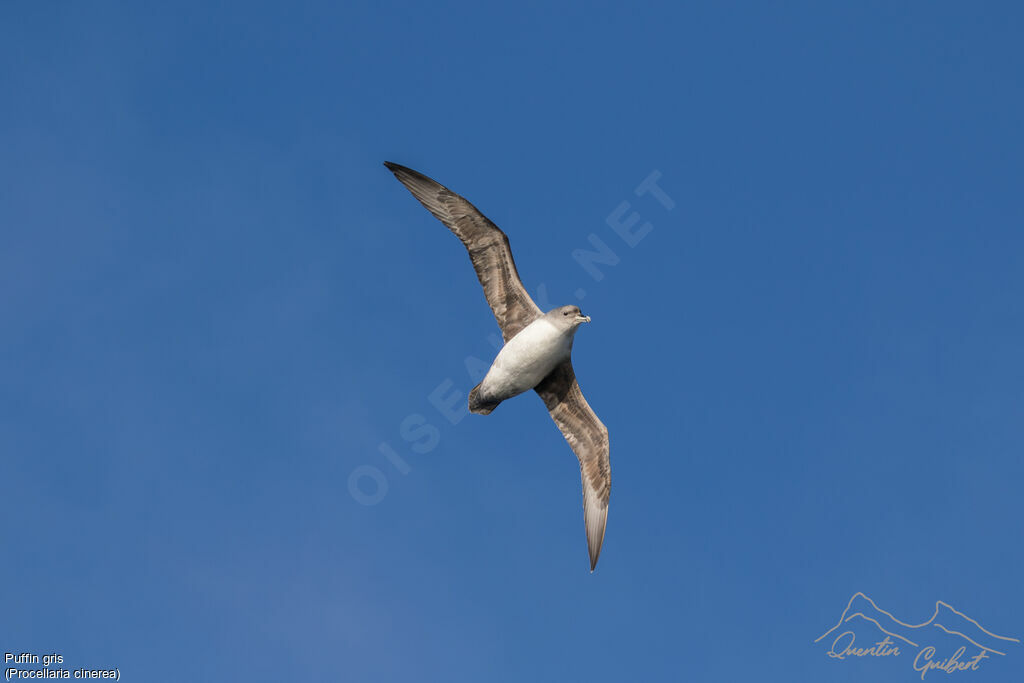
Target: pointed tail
480,405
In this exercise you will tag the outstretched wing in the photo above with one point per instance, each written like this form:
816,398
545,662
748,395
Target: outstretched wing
589,440
487,245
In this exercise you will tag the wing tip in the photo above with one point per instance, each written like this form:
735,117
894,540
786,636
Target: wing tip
398,169
416,182
596,522
595,554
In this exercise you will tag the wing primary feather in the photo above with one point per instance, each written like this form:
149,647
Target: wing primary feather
588,438
488,248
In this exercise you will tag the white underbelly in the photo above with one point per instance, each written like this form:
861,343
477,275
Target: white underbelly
526,359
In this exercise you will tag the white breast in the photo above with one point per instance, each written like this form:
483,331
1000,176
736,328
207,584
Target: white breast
526,359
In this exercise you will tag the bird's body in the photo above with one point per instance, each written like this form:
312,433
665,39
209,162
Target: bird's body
538,346
527,358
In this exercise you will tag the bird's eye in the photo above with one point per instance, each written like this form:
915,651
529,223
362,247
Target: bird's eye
565,313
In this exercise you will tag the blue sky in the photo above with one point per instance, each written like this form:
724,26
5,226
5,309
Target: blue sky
218,304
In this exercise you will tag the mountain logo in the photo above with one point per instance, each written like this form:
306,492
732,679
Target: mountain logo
950,641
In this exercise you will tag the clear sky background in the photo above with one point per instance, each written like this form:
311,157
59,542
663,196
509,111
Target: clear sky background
216,304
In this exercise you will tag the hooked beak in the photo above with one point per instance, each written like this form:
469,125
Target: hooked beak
583,318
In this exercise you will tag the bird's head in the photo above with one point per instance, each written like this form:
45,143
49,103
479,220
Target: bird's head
567,317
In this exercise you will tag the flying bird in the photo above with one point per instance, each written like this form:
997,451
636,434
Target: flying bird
537,349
